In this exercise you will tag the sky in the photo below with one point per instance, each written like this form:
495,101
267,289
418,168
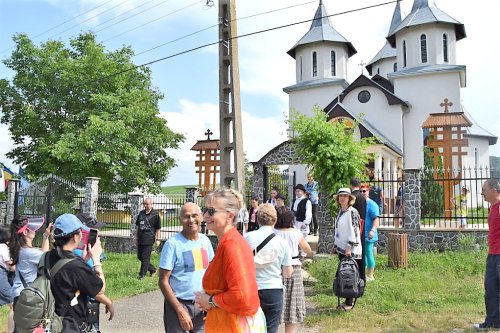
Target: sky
161,28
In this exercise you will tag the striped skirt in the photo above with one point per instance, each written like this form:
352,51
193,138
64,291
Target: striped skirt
294,304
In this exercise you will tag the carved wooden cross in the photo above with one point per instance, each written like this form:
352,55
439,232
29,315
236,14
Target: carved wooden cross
208,133
446,104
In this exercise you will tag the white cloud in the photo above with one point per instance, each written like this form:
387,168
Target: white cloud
259,136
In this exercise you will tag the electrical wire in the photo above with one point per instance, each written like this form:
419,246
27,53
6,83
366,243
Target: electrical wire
238,37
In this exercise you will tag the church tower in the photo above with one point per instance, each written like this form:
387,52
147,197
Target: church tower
321,61
427,72
385,60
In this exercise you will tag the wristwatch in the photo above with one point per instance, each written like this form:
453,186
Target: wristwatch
211,301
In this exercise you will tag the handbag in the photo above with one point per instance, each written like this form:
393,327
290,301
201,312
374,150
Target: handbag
265,257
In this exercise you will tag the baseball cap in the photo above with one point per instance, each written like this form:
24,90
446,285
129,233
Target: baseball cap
90,221
67,224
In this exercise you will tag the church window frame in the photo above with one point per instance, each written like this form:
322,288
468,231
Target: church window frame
423,48
445,48
395,66
301,73
314,64
404,54
333,63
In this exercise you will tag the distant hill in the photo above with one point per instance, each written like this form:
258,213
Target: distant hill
495,166
179,189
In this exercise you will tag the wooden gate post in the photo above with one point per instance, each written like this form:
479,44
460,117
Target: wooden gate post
397,249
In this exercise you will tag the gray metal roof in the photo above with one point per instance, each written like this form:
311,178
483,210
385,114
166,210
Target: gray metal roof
387,51
427,69
316,83
476,130
424,12
322,30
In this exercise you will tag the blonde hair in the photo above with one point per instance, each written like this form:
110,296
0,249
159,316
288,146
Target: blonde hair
233,200
266,215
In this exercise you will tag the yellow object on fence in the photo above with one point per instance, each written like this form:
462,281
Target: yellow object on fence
397,249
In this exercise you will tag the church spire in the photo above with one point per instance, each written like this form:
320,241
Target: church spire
396,18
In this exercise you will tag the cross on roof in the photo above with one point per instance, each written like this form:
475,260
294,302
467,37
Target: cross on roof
208,133
362,65
446,104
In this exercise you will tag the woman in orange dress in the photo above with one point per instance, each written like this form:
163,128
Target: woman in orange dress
230,295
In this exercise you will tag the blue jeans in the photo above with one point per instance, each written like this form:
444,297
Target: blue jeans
271,302
492,290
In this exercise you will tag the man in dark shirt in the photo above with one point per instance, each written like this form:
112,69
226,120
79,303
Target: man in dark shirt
76,281
147,232
360,205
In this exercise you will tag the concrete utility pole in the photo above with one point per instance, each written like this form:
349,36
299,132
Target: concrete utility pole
231,136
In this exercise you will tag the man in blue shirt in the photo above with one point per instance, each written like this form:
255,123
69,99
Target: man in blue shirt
183,262
312,189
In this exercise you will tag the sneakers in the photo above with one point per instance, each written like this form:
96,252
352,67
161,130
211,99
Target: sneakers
369,278
485,326
345,307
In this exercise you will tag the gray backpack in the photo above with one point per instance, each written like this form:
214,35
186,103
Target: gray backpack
35,306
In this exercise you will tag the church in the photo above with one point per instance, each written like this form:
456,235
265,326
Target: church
413,78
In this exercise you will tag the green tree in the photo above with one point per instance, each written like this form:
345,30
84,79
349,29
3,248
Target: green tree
432,193
81,111
331,151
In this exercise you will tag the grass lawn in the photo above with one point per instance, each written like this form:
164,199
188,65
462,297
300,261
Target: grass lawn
180,189
439,292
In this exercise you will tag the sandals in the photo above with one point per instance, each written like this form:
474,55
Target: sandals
345,307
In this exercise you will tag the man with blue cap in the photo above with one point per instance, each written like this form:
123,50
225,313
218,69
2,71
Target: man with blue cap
75,281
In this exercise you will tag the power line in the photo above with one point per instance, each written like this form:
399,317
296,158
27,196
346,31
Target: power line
239,36
157,19
215,25
63,23
129,17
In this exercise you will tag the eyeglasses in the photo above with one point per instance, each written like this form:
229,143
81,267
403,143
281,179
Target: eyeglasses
364,191
211,210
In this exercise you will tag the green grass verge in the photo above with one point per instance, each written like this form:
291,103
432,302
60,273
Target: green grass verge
180,189
439,292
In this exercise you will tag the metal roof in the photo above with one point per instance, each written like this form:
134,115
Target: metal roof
427,69
316,83
424,12
476,130
322,30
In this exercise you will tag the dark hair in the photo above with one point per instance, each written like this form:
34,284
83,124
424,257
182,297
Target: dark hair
59,242
4,234
285,218
355,182
256,198
16,240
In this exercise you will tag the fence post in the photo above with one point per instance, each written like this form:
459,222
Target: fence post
2,212
11,199
412,198
192,193
136,200
91,196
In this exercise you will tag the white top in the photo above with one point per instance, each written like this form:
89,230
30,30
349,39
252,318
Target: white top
347,232
270,277
292,237
4,255
309,215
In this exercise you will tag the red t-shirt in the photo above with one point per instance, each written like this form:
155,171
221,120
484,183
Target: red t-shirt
494,225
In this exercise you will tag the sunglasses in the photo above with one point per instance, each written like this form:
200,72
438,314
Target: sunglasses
211,210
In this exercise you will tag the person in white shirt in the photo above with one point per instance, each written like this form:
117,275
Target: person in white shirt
302,208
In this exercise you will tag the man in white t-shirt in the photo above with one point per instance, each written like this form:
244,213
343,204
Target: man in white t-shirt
183,262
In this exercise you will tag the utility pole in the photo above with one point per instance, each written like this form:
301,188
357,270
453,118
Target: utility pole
231,136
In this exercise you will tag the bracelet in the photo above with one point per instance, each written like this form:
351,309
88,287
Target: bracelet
97,265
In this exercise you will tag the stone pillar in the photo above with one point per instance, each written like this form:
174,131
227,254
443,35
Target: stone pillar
192,194
325,225
258,181
3,213
91,196
11,198
412,199
136,200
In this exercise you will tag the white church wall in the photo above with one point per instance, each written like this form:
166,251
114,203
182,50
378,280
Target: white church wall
434,34
383,67
304,54
387,119
435,88
477,154
304,100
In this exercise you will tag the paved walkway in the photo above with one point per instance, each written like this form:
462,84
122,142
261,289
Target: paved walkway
144,313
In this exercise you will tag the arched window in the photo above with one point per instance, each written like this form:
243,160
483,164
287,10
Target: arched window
404,54
333,63
300,69
423,48
476,157
315,64
378,70
445,47
395,66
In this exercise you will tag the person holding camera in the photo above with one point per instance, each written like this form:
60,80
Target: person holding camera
76,281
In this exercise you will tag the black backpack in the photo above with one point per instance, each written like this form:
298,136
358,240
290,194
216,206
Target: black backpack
347,282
